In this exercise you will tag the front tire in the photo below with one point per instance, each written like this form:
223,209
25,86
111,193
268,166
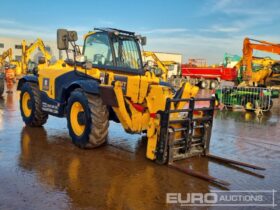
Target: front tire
87,120
31,106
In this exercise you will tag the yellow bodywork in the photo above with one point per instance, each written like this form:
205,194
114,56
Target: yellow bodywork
259,76
265,64
138,90
142,90
6,54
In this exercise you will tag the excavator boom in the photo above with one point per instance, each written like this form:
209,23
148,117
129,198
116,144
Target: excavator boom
6,54
249,47
28,50
158,62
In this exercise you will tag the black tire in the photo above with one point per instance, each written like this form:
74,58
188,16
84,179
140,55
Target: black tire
267,104
276,68
37,117
2,86
95,119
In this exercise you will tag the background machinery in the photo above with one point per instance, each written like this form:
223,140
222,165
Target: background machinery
198,73
230,60
6,54
255,75
268,72
158,64
11,68
26,64
165,69
174,68
108,81
5,71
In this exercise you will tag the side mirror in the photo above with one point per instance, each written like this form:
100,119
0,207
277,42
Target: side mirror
143,40
62,39
41,60
72,36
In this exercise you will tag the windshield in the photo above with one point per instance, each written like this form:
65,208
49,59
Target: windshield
97,49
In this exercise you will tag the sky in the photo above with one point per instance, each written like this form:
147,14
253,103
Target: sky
196,29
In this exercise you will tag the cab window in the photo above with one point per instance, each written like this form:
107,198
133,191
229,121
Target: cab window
97,49
126,52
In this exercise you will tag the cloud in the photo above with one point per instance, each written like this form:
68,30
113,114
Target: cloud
26,34
221,4
246,8
7,21
238,26
219,28
194,46
164,30
203,46
11,28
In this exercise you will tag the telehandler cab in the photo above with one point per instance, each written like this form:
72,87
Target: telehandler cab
108,81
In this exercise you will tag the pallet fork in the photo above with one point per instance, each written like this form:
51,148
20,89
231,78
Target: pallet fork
195,135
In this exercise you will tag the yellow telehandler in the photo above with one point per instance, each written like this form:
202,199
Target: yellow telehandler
108,81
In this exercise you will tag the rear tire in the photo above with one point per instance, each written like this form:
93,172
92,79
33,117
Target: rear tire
88,126
31,106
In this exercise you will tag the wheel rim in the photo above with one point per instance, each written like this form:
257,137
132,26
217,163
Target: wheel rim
213,85
216,103
203,84
77,127
249,105
25,104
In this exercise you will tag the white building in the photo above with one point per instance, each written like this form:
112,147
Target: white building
171,57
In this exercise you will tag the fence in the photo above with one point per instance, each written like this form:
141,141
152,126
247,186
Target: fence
251,98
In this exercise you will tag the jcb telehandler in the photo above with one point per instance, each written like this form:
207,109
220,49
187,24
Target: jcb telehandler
108,81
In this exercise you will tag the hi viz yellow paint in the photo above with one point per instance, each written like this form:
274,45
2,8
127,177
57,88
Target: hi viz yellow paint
25,100
77,128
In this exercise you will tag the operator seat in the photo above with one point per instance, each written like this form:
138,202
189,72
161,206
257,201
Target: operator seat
98,59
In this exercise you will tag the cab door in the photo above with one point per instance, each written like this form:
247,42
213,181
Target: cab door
117,54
